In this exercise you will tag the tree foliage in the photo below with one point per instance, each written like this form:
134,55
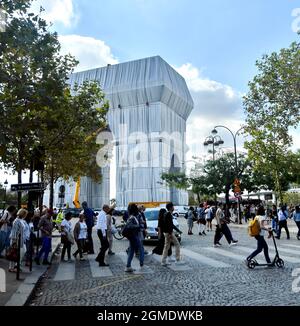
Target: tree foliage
272,106
39,113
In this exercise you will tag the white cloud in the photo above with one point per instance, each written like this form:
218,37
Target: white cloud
58,11
215,104
90,52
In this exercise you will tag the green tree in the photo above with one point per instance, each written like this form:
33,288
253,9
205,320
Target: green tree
272,107
38,111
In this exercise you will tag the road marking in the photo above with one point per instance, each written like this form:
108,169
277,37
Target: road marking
65,272
135,264
290,245
203,259
272,251
173,266
98,271
289,251
229,254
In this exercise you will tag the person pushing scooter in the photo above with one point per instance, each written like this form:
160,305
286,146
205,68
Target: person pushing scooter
259,234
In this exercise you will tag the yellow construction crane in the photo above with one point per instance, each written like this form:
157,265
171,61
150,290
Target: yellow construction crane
76,195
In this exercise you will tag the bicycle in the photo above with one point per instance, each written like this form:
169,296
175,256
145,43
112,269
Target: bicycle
117,234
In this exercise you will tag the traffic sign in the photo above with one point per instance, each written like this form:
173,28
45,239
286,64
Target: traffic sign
38,186
237,182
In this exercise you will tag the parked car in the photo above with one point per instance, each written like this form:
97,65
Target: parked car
151,215
181,210
74,211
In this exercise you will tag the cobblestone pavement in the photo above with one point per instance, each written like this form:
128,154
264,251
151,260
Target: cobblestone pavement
210,276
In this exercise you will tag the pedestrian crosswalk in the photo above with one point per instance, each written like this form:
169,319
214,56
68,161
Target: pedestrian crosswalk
224,257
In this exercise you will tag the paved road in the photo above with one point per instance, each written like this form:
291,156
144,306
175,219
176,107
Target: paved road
211,276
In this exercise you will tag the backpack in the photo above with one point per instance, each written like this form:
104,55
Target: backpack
254,227
186,215
131,228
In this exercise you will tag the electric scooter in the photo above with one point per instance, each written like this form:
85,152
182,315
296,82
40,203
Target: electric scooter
277,261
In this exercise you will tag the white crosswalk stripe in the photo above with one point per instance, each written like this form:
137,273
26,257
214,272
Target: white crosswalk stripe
203,259
291,245
209,256
135,264
176,268
96,270
271,251
230,254
65,272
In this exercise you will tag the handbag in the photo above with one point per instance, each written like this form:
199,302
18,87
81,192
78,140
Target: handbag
70,237
12,253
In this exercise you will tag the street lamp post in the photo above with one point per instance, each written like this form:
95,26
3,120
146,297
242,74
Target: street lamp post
215,141
234,135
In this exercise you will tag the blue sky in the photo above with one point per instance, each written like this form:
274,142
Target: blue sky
213,44
223,38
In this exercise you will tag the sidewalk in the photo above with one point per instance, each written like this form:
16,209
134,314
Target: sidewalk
17,292
291,225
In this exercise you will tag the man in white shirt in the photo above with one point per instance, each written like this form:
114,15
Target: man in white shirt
282,218
102,234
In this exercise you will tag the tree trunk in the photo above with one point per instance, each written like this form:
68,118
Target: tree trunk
198,198
51,198
30,200
227,189
19,192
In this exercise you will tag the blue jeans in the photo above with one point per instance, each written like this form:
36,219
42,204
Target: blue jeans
274,225
135,245
46,247
4,239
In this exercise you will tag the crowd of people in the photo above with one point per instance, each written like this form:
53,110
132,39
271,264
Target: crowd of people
23,229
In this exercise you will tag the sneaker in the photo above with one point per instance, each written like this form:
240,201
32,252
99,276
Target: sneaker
82,259
235,241
45,262
170,259
165,263
111,253
203,233
217,245
232,243
75,256
103,265
129,270
200,233
179,262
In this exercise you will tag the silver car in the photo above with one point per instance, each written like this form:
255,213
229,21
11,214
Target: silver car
151,215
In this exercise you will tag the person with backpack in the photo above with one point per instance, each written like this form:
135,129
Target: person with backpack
201,220
132,232
209,218
282,222
296,217
257,229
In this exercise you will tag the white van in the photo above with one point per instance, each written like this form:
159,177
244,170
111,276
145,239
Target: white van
181,210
